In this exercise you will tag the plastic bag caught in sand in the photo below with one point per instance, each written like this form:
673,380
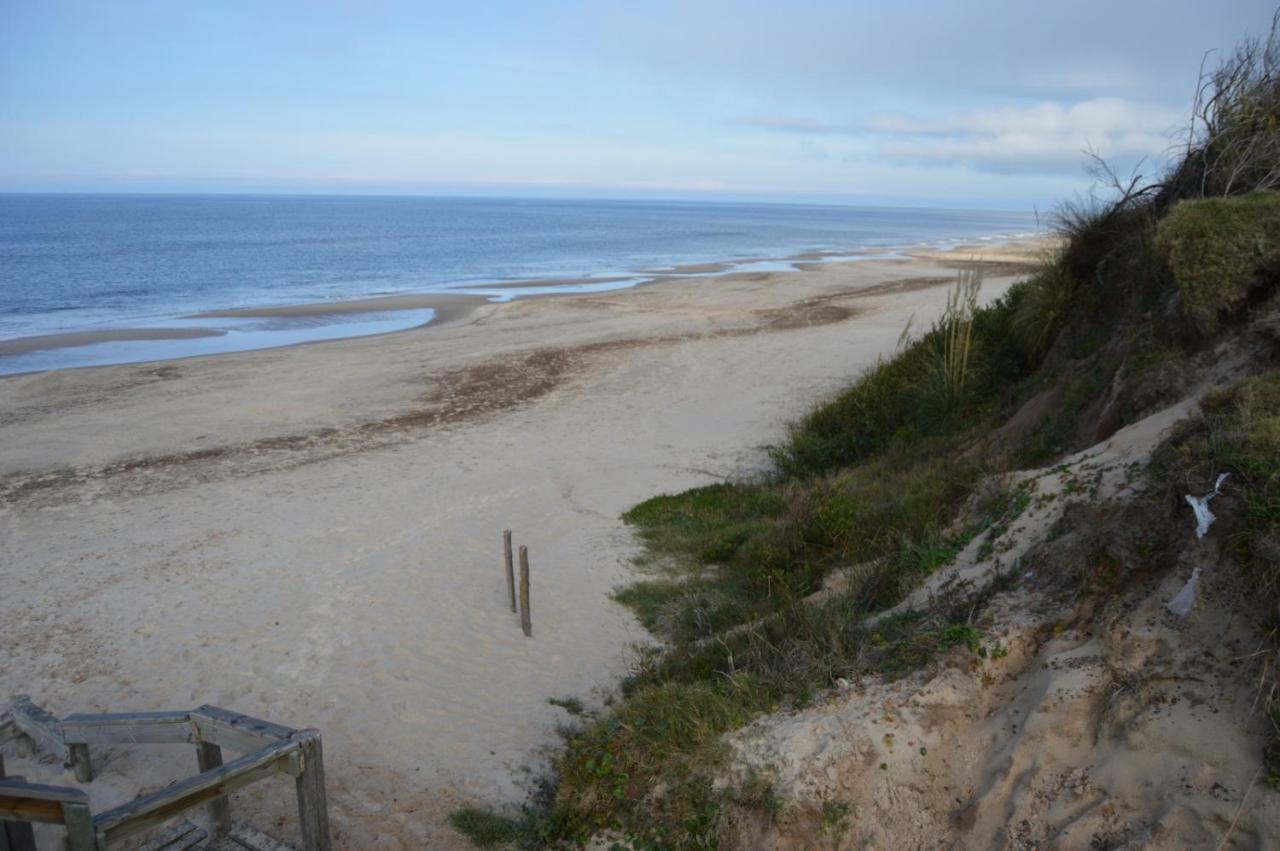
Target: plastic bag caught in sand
1181,604
1200,505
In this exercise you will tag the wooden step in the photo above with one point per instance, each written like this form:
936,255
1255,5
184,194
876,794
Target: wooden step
177,837
242,837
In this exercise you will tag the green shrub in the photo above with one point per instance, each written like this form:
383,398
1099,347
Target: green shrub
1216,249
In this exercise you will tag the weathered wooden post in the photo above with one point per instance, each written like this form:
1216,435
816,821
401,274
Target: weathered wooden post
313,812
526,618
511,576
80,762
209,756
79,823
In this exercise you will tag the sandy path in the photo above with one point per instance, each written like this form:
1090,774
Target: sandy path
312,534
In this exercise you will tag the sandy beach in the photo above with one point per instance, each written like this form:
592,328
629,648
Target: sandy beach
312,534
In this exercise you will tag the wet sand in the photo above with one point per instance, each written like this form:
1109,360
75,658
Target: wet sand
39,342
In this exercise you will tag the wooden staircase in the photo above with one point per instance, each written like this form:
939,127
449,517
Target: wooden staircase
265,749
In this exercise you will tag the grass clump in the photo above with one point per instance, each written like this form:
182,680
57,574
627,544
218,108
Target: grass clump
486,829
711,522
735,553
653,755
1217,250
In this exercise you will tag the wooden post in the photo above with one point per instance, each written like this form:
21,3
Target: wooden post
511,576
209,757
15,835
313,813
526,618
79,824
80,762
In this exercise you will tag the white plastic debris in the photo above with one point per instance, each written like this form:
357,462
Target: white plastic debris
1200,505
1181,604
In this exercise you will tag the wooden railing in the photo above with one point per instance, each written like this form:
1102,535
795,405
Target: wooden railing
266,749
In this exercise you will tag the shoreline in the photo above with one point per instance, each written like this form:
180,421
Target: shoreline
447,306
313,526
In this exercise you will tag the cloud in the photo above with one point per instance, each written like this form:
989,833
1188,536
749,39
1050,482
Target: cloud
1046,137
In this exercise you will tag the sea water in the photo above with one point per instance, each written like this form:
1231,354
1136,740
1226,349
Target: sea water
72,263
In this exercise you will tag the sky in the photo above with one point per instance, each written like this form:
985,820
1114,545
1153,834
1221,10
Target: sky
976,104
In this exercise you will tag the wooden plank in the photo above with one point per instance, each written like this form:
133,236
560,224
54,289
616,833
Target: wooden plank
526,617
125,728
79,823
21,801
506,562
14,807
209,757
313,810
252,839
148,811
177,837
41,727
40,792
241,733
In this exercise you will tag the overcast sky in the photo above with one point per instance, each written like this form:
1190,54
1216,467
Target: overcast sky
985,103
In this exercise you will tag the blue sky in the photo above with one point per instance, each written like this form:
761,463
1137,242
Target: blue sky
986,103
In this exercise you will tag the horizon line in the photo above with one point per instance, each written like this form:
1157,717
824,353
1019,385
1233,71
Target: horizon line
499,196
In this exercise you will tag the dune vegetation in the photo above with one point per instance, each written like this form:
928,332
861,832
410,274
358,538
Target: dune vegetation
765,592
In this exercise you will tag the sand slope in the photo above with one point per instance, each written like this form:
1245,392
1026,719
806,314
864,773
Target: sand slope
1092,721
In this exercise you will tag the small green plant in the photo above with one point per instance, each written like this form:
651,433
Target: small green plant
834,818
758,792
572,705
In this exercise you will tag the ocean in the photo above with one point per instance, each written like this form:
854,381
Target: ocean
77,263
